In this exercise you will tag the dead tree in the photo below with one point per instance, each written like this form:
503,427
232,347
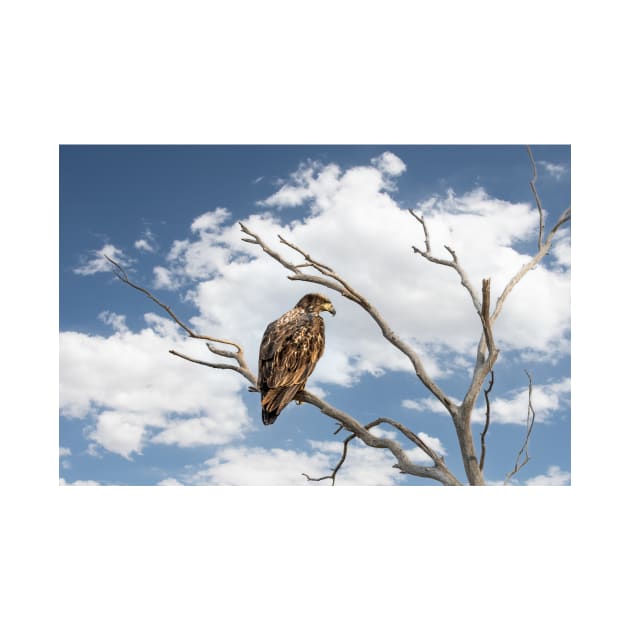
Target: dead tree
313,271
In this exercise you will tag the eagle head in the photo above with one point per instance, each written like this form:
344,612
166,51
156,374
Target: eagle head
315,303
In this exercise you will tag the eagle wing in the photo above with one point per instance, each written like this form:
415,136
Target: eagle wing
289,351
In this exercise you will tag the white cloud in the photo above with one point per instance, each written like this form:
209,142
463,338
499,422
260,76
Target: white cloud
64,451
135,391
555,170
276,466
147,243
169,481
546,400
354,225
561,248
554,477
196,432
144,245
98,263
79,482
210,221
389,164
116,321
311,182
164,279
426,404
123,432
433,443
260,467
198,259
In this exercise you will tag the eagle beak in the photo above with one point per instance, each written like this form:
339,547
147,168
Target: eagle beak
331,309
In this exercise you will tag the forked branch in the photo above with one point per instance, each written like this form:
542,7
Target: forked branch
438,472
453,263
438,461
332,280
237,355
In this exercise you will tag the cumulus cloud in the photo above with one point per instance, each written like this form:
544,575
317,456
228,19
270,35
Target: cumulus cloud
546,400
353,224
133,392
64,451
164,279
143,245
561,248
147,243
97,263
382,463
116,321
512,409
554,477
79,482
169,481
276,466
311,182
389,164
210,221
555,170
197,259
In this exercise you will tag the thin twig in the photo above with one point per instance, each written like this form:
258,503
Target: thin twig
486,393
532,185
454,263
238,356
335,470
219,366
121,274
524,452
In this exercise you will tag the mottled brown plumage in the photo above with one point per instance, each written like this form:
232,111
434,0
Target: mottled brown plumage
289,351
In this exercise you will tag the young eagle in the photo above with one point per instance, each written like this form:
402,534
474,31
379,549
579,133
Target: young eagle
290,348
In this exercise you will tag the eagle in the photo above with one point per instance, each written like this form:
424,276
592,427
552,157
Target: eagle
289,351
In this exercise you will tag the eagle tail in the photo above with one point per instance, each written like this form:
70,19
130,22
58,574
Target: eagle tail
269,417
273,401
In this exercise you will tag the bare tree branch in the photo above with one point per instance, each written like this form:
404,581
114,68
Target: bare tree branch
454,263
532,185
333,281
220,366
121,274
486,426
543,246
238,356
524,452
530,264
439,472
335,470
416,439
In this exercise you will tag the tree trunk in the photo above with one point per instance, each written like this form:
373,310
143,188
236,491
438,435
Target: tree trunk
467,447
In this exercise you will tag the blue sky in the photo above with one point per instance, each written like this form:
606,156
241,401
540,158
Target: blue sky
132,414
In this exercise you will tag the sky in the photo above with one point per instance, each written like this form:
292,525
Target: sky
133,414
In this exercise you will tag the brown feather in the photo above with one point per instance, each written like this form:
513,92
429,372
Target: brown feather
289,351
